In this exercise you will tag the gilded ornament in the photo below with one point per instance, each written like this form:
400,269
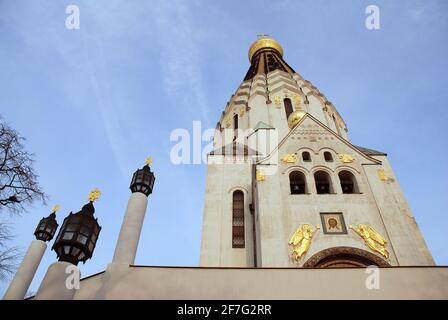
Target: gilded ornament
94,195
227,122
297,100
372,238
242,111
56,208
345,158
382,175
289,158
277,101
301,240
294,118
260,175
148,161
262,43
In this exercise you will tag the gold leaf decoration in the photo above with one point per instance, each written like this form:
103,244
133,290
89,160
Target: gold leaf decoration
297,100
345,158
260,175
94,195
372,238
289,158
382,175
148,161
277,101
301,240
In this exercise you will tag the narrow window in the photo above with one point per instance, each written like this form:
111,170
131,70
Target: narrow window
348,182
288,107
336,124
328,157
238,220
235,126
306,156
297,182
323,182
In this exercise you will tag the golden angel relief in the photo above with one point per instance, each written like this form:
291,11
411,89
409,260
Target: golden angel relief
345,158
372,239
289,158
301,240
260,176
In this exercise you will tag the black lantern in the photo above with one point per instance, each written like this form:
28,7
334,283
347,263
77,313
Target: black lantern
143,181
46,228
78,235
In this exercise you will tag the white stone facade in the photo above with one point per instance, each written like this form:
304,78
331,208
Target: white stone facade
276,212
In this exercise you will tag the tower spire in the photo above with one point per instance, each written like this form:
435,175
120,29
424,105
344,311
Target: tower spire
266,55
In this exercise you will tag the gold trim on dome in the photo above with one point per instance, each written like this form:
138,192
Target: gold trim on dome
294,118
264,43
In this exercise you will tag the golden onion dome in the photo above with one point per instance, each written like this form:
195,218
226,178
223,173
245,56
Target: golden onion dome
262,43
294,118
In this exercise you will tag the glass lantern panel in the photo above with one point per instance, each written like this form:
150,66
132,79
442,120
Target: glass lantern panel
85,230
71,227
67,236
82,239
75,251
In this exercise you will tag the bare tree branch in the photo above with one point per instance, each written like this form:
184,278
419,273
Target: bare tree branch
18,189
9,257
18,180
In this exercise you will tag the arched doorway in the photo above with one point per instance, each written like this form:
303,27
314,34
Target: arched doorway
344,257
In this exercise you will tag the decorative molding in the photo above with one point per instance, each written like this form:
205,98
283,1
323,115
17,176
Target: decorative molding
366,257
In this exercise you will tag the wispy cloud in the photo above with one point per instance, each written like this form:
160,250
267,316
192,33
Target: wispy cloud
180,41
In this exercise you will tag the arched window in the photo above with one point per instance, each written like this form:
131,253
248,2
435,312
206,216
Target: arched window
297,182
328,157
306,156
288,107
235,126
348,182
336,124
323,182
238,220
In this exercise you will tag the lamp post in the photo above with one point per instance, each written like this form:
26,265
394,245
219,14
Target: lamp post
44,232
141,186
74,243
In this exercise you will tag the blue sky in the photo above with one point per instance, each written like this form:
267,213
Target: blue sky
94,102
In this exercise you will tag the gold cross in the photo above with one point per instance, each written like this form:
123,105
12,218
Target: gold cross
56,208
148,161
95,194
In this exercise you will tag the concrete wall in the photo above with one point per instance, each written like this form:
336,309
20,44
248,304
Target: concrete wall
216,283
222,181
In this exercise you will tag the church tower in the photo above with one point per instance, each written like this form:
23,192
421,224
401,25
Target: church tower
286,187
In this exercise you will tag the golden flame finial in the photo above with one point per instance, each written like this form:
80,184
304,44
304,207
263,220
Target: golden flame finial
148,161
94,195
264,41
56,208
